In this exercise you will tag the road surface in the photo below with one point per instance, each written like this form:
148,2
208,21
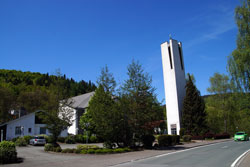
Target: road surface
215,155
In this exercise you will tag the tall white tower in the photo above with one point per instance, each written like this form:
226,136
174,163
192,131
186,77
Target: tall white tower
174,83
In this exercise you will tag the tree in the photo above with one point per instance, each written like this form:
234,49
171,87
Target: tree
142,106
6,104
239,60
103,115
107,80
221,87
57,113
238,64
193,112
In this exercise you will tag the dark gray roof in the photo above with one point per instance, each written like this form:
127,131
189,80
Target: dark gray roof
81,101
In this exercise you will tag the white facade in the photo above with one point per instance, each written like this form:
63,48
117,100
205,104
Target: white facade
25,125
174,83
73,129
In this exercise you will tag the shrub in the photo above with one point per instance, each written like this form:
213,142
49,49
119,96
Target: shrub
209,135
164,140
15,139
175,139
108,144
68,150
77,151
8,152
93,139
57,149
86,147
61,139
91,151
84,151
21,142
27,138
70,140
79,138
197,138
222,136
148,141
186,138
118,150
48,147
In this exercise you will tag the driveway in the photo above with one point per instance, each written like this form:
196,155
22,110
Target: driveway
34,156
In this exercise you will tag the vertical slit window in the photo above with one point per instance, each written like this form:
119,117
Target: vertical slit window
170,57
180,53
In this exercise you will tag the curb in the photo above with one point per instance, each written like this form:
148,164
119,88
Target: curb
237,162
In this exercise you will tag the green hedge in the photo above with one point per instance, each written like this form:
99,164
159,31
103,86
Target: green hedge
70,140
186,138
21,142
168,140
51,147
8,152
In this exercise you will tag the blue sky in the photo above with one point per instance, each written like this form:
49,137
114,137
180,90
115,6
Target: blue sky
82,36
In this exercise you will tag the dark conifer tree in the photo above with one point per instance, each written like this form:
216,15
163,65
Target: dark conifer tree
193,112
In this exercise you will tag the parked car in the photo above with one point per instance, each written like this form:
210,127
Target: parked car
241,136
37,140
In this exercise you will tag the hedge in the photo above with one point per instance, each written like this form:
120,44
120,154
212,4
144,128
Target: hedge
168,140
21,142
8,152
186,138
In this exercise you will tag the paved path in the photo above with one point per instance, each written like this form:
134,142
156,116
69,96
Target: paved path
36,157
215,155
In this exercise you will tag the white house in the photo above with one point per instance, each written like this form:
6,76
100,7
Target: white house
79,105
30,124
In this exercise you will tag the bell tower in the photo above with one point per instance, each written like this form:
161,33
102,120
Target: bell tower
174,83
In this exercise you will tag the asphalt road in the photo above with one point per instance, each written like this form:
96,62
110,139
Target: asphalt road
215,155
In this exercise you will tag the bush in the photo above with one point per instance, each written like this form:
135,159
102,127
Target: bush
108,144
186,138
164,140
86,147
15,139
21,142
148,141
27,138
57,149
77,151
70,140
61,139
197,138
93,139
68,150
51,147
222,136
79,139
8,152
48,147
175,139
91,151
209,135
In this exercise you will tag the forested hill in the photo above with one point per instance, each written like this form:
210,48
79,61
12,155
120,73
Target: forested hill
20,81
26,89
